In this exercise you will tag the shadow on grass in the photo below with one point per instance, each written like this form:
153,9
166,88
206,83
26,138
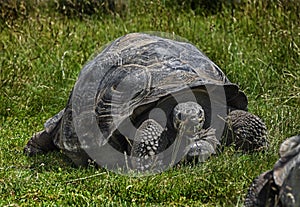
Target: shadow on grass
52,161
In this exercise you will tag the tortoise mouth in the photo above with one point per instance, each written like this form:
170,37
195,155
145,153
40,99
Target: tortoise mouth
190,125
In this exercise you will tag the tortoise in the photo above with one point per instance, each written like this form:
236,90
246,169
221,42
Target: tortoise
281,185
146,101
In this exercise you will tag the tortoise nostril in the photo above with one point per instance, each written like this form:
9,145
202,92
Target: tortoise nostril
179,116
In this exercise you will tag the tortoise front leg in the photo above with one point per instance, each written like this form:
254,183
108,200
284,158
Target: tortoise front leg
247,131
146,144
263,191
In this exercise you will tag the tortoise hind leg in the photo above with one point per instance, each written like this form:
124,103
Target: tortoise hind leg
42,142
247,131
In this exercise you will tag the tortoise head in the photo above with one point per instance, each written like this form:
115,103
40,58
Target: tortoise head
189,115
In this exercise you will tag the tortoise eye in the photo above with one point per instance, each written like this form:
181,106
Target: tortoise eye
200,113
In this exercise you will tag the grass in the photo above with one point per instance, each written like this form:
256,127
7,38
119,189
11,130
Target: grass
256,44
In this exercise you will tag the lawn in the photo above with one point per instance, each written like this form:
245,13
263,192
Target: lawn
42,51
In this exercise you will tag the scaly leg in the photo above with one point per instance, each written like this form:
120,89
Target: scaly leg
146,144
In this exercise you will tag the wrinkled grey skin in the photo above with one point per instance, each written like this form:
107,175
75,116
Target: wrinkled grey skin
159,70
279,187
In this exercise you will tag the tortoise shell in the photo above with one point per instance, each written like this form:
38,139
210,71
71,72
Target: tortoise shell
139,76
